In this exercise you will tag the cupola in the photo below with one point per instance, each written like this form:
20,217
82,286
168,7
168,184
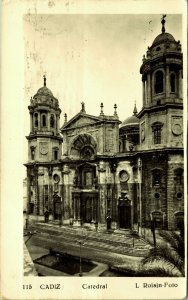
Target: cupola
161,70
44,112
129,132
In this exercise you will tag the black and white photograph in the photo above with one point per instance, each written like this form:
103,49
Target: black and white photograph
103,169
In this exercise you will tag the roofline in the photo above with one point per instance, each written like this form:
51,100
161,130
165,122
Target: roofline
79,114
98,120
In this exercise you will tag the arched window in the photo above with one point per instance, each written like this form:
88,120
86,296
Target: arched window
36,120
158,82
52,121
55,154
44,120
172,83
87,152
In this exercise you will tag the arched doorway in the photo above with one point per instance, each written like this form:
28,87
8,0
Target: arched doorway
57,211
124,212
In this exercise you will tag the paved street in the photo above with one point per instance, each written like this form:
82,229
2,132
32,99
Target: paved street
114,249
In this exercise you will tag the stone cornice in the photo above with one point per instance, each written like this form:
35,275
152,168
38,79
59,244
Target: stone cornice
161,107
40,135
90,124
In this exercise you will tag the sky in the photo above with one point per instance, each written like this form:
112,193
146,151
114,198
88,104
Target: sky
90,57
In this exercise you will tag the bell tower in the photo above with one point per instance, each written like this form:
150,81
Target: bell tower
44,138
161,114
161,133
44,150
162,71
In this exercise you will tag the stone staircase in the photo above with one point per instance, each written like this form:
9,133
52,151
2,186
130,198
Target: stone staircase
121,243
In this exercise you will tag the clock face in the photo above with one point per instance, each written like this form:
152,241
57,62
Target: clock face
43,148
177,129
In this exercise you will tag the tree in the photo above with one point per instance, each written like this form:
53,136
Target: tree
167,258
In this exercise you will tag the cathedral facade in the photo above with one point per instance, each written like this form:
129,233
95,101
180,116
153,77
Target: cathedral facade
98,171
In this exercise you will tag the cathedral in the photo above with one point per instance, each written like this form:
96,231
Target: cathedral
99,172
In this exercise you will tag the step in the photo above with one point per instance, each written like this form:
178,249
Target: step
95,241
95,237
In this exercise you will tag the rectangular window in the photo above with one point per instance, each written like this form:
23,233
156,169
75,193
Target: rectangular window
88,178
157,135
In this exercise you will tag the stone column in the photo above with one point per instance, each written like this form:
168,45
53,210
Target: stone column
57,122
39,121
31,121
131,195
36,196
180,83
41,196
167,82
48,121
50,193
67,196
143,93
28,190
149,87
74,208
92,210
78,207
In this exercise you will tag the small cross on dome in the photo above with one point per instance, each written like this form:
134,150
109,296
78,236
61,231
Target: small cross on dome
44,76
163,23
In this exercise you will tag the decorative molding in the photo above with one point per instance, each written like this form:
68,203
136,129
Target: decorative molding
123,176
43,148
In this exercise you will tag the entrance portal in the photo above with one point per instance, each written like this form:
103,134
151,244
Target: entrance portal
88,208
57,207
124,210
125,217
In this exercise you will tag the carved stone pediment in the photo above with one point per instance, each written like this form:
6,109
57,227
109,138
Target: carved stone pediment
80,120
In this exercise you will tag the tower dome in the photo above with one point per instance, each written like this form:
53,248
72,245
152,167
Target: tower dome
44,91
132,121
129,133
44,96
45,112
163,37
